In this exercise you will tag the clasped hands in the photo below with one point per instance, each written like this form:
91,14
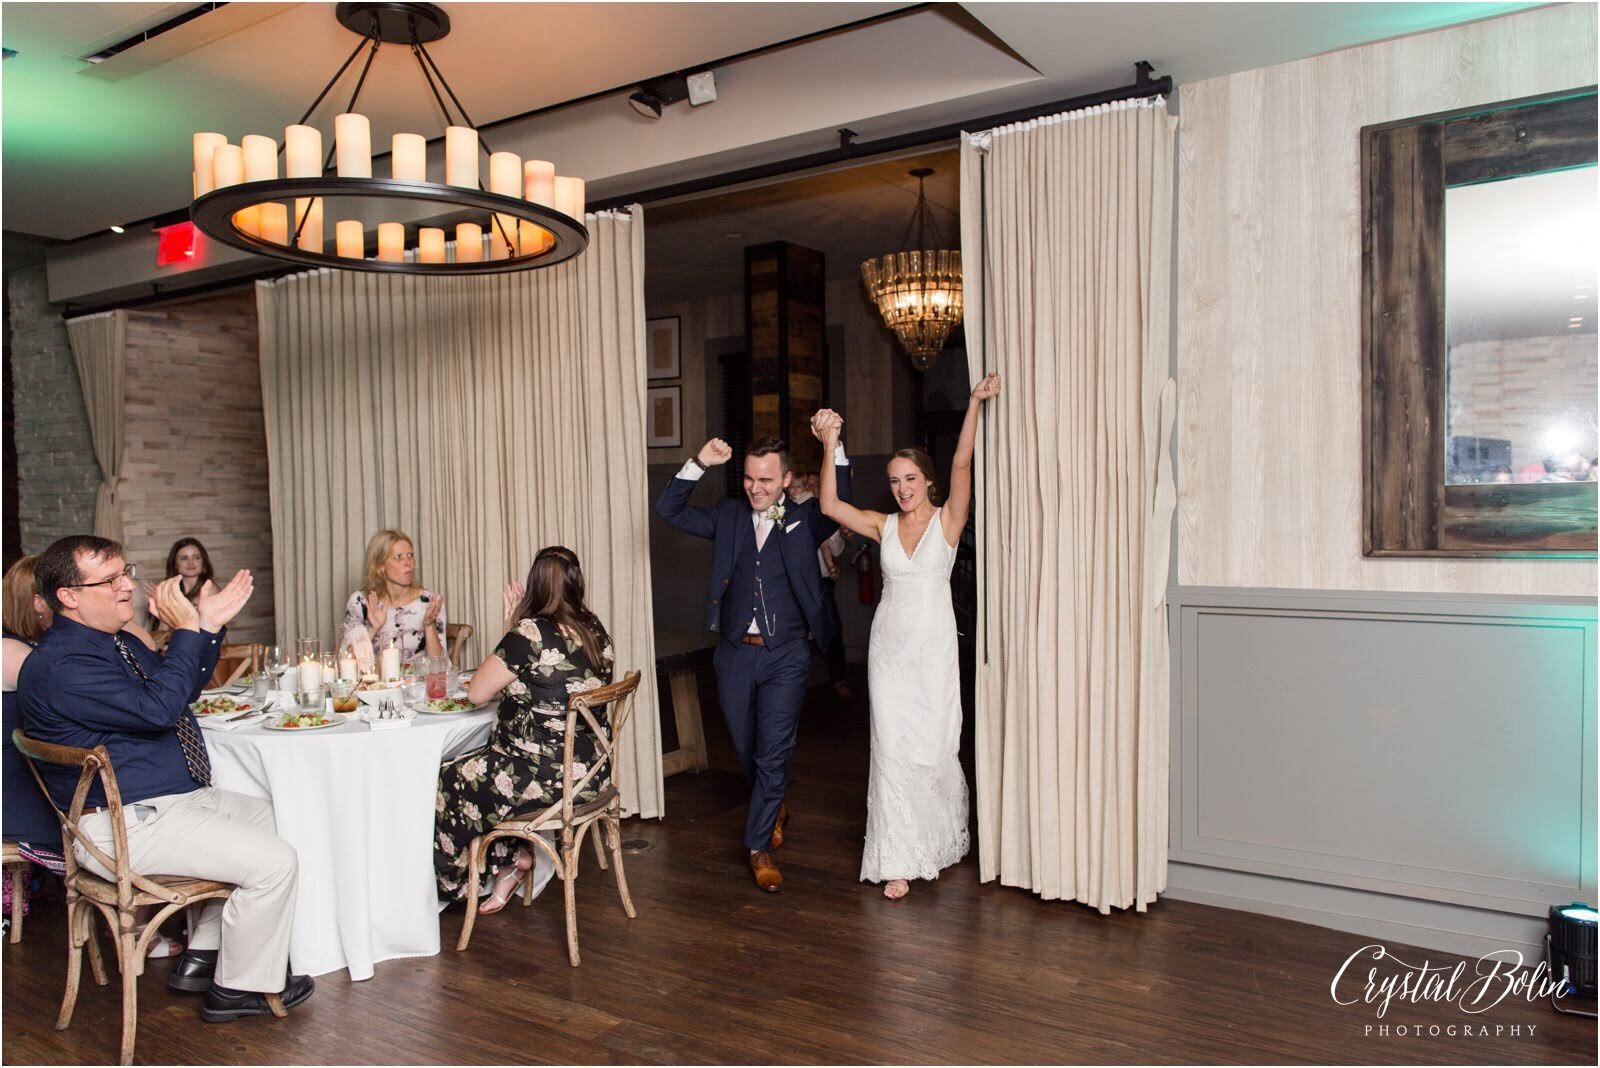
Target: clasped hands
211,611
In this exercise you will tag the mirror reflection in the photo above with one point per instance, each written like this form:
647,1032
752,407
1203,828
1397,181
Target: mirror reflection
1520,328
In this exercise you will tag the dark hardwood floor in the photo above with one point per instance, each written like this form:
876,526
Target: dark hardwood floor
828,971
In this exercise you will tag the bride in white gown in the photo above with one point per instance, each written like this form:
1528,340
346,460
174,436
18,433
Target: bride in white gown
916,793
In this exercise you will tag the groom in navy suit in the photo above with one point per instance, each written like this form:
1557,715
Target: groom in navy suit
765,599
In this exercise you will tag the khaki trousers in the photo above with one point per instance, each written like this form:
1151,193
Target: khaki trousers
215,834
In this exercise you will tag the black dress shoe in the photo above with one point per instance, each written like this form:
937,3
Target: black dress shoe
193,972
222,1005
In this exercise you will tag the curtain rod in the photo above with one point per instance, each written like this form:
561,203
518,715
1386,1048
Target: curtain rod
850,150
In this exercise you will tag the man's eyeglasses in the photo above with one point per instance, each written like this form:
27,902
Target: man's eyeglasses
130,573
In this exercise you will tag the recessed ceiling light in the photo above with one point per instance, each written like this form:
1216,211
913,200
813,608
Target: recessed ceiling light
116,229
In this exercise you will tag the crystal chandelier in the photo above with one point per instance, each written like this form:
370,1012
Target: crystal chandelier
918,292
527,216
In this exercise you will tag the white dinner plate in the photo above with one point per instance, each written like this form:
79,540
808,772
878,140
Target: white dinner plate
425,710
335,719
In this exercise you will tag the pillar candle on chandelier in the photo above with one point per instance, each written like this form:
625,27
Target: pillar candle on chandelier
204,145
302,152
274,222
569,196
469,243
461,156
352,141
430,245
539,180
227,166
409,159
260,158
310,210
350,239
392,242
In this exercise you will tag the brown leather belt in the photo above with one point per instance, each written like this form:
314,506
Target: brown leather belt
753,639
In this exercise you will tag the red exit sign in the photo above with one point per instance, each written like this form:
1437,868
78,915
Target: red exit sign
175,244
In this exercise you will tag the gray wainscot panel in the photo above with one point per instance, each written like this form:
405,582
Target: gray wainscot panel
1435,748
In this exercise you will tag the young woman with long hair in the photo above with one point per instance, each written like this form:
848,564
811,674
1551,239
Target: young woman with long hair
553,647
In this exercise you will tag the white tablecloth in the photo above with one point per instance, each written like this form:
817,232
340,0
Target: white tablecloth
358,806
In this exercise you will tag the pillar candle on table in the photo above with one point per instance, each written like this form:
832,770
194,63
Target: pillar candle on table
389,664
310,675
348,669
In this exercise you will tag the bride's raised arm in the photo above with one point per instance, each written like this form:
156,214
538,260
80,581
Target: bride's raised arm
826,425
959,502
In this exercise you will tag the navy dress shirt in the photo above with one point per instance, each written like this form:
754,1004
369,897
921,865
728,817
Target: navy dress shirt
76,689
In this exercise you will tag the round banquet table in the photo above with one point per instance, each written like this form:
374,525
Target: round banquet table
358,807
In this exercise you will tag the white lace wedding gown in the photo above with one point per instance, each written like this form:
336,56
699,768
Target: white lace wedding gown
916,794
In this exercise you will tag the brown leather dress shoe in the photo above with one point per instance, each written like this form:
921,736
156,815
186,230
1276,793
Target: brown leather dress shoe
777,828
766,872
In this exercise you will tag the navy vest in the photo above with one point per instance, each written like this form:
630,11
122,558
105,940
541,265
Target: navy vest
760,587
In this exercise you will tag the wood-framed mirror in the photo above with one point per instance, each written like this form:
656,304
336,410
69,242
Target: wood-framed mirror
1479,244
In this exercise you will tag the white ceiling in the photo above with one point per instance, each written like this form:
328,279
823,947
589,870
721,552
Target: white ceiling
84,149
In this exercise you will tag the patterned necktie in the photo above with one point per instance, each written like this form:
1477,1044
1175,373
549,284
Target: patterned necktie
189,740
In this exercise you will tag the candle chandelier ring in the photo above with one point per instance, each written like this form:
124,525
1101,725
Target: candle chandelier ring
526,217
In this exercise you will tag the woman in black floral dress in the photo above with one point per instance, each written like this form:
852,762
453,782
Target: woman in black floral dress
554,647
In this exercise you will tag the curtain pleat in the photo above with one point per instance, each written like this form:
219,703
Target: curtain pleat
487,417
100,351
1066,248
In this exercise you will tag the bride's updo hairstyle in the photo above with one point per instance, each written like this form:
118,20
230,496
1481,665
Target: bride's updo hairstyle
924,462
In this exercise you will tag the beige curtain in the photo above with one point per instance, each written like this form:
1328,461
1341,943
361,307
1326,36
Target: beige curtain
1066,245
486,417
100,349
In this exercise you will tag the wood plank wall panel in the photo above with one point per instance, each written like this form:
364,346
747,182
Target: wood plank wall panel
195,459
1269,291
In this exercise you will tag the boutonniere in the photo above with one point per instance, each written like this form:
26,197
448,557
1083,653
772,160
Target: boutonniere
775,513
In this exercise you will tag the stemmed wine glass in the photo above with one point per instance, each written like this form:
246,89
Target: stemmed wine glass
274,664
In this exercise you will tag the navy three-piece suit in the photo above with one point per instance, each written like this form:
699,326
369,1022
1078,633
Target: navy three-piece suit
778,586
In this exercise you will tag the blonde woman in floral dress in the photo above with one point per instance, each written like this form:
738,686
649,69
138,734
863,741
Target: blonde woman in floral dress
554,646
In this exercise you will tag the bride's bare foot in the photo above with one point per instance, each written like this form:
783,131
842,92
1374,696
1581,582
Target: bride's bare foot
896,889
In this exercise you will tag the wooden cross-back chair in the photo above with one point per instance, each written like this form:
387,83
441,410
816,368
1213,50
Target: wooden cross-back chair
118,900
234,660
455,636
568,817
16,868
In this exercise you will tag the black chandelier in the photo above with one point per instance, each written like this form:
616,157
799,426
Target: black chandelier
525,217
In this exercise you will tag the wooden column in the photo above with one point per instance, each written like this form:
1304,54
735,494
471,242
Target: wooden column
784,323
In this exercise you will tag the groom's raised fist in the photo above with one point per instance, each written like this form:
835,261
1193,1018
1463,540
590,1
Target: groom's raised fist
714,452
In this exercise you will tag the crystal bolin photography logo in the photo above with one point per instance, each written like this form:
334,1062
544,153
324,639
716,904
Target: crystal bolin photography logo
1472,987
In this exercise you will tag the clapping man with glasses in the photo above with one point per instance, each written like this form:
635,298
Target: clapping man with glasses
87,685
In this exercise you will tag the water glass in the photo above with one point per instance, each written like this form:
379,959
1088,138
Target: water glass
415,693
260,687
436,671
